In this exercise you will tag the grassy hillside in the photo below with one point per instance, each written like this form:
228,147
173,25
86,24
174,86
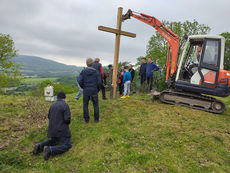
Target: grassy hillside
134,135
37,66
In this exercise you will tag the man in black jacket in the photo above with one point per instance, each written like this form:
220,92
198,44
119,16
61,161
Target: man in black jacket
90,81
58,130
97,65
142,72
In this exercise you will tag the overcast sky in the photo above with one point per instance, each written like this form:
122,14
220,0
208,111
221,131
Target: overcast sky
67,30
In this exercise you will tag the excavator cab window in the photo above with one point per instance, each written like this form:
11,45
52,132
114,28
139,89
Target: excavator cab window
210,63
210,56
191,61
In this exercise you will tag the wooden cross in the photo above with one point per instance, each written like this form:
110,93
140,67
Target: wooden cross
118,32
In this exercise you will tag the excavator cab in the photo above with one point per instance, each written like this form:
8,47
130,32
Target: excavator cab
200,68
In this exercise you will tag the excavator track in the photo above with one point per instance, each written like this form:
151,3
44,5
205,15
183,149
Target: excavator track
200,102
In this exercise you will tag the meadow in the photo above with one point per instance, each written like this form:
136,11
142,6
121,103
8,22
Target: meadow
136,134
35,81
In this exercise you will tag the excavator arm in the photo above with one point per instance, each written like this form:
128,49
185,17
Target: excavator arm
172,39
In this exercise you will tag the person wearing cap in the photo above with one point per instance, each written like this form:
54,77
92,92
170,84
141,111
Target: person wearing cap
58,130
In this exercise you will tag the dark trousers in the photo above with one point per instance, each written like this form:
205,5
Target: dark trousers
121,88
103,92
94,99
143,78
64,145
150,82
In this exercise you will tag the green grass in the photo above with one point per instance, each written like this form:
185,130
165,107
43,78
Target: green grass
35,81
134,135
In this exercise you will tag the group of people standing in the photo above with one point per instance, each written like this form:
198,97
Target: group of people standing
126,80
91,80
146,72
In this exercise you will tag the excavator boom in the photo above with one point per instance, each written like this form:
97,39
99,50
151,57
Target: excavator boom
172,39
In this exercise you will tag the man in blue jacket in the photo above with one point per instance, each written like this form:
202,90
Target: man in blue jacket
150,68
58,130
90,82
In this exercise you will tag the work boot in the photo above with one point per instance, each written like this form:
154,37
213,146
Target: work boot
36,149
47,152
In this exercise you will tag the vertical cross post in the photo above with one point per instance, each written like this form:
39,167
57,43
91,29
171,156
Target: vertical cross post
118,32
116,52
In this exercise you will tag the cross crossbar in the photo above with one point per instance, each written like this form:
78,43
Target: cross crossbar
116,31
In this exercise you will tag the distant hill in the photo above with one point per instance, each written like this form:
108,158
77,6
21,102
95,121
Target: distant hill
37,66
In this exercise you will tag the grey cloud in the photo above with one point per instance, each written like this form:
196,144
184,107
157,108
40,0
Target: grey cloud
66,31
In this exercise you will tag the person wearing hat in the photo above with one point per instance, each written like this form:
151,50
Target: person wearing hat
58,130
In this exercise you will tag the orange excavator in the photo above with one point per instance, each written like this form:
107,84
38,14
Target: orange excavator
196,72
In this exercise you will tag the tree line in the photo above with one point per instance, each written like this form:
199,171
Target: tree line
11,75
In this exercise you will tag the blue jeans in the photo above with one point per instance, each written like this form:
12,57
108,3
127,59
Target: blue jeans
79,92
64,145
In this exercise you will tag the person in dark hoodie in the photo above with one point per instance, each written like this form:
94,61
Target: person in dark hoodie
142,72
90,82
58,130
120,80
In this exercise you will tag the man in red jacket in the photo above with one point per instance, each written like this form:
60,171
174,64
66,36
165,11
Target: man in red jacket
97,65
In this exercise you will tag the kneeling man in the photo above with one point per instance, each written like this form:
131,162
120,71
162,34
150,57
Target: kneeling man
59,119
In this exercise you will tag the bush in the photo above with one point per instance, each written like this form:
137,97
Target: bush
39,91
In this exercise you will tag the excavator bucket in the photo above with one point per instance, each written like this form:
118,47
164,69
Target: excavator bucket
154,94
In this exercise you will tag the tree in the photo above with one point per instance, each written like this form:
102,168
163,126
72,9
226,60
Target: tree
157,46
58,86
9,72
227,50
124,63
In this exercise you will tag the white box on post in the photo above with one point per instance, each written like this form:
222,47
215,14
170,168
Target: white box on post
49,94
